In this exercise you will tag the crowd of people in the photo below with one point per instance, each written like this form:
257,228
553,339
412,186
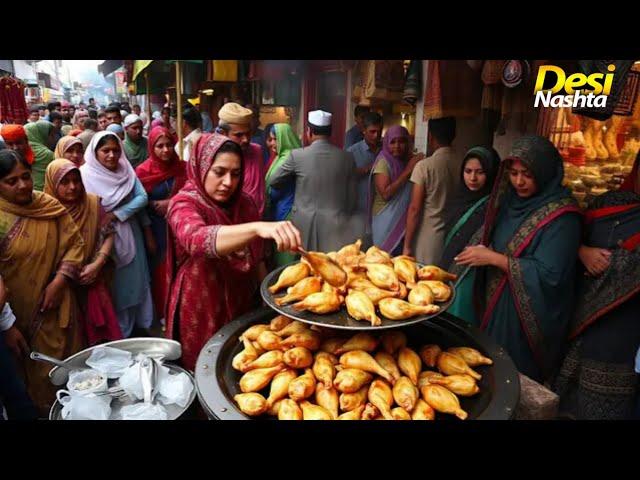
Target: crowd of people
107,228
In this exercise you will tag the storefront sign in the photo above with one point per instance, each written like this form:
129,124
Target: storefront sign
121,88
576,95
49,94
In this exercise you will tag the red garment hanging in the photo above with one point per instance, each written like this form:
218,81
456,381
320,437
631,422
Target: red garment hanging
13,107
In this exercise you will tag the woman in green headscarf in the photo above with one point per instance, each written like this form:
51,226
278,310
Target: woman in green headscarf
40,135
135,144
280,201
525,257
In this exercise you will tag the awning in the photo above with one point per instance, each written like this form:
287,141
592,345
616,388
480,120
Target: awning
138,67
109,66
158,79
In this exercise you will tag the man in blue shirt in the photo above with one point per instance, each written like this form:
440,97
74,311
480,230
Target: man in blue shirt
365,152
354,134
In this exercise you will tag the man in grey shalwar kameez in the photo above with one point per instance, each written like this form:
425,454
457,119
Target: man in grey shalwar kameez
324,208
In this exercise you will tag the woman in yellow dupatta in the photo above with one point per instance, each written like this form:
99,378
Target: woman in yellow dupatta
70,148
41,251
64,183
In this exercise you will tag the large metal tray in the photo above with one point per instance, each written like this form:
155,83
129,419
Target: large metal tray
169,349
173,411
341,319
217,382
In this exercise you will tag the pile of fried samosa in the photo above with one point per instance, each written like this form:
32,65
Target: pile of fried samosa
296,372
321,283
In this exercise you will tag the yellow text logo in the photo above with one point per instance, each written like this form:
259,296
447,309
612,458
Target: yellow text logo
599,83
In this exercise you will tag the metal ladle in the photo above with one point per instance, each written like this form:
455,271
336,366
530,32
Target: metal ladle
41,357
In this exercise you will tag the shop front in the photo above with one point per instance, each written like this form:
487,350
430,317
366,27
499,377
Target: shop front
493,102
599,148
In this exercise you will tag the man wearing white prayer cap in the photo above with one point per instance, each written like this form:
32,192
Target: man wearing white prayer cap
235,123
324,206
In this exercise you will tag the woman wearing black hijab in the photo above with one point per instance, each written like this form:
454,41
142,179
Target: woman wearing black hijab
466,215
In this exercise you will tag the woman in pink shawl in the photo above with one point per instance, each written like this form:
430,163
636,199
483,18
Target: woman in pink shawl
215,248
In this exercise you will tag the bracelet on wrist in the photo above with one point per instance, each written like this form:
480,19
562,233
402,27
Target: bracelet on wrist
102,254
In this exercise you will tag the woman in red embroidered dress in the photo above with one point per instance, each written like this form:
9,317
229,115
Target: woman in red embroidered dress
215,251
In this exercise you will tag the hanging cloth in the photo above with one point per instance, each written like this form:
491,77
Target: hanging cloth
413,82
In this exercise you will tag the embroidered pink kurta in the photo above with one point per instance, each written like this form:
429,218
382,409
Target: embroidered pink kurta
206,291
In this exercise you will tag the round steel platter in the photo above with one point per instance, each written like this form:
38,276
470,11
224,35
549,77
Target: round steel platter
217,382
341,319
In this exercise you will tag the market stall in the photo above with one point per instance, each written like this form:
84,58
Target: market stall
599,154
390,87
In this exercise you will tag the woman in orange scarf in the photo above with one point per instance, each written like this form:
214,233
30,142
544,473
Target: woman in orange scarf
41,252
15,138
63,182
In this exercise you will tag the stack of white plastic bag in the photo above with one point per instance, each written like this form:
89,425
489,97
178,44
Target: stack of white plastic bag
80,401
174,388
170,389
114,363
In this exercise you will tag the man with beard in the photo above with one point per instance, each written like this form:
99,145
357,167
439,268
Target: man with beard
235,123
66,114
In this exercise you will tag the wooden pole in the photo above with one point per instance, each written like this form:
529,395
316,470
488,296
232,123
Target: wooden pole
179,100
146,83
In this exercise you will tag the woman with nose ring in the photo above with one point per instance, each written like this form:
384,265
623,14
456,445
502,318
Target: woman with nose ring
525,256
108,174
215,251
162,175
